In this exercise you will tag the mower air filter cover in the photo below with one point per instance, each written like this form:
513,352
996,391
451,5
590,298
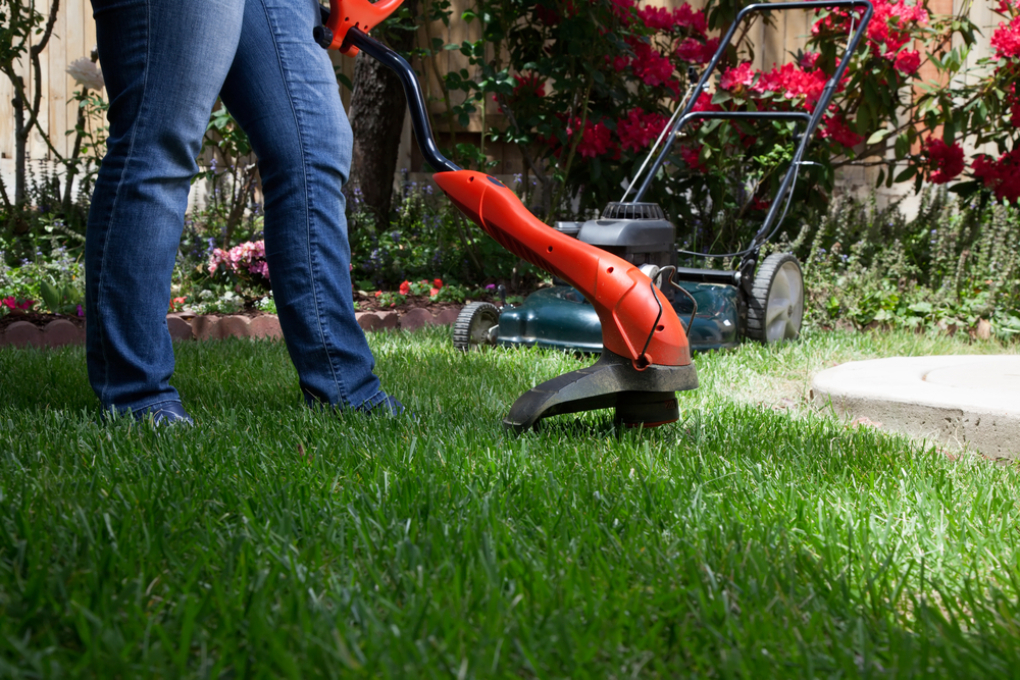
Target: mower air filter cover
633,211
629,236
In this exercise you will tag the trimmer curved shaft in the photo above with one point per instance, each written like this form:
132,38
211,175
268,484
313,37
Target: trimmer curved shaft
646,357
638,322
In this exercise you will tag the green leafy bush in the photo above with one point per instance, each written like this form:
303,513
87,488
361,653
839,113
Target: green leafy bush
952,266
428,239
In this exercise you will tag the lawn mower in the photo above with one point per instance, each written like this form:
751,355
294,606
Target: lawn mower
762,302
644,352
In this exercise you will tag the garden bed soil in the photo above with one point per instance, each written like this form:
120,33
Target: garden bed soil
369,303
38,319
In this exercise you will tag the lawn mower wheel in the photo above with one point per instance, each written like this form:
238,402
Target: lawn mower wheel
775,307
477,324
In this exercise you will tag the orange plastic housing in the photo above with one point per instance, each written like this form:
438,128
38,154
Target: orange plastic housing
625,299
361,14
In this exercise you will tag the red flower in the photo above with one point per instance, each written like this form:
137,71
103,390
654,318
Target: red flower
907,63
405,288
639,129
596,140
529,85
944,161
433,292
1006,39
685,17
692,157
793,83
657,18
1002,176
694,51
650,66
836,129
738,77
704,103
437,283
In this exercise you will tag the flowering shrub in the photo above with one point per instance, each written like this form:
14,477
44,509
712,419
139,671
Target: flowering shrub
246,262
587,88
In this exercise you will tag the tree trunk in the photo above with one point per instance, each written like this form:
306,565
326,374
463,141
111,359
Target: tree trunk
20,143
377,119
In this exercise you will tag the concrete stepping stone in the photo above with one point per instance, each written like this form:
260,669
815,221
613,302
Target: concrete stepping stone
955,400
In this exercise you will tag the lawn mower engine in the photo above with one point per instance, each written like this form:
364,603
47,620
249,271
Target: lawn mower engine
560,316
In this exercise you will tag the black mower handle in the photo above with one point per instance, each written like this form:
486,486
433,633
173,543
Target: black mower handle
408,79
812,120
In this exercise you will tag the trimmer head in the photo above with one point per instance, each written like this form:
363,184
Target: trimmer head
645,397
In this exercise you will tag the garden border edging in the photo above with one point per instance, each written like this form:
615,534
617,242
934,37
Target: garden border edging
61,332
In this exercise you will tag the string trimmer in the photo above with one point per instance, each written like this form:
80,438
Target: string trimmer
646,358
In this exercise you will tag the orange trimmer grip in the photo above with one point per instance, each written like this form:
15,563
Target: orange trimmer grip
638,322
361,14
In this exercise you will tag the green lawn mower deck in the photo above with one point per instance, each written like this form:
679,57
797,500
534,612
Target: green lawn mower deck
717,307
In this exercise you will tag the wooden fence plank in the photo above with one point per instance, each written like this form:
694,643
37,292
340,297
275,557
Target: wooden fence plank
57,91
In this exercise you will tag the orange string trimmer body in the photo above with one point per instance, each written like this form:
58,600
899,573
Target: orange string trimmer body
637,320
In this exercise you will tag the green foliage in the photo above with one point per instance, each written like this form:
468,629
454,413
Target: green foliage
54,276
428,239
952,266
231,178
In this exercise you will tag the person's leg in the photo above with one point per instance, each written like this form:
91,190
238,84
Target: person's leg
164,63
283,91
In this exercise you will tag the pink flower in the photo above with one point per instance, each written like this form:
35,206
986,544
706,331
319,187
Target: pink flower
907,63
434,292
809,60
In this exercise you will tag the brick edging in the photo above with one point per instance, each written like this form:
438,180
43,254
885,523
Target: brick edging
60,332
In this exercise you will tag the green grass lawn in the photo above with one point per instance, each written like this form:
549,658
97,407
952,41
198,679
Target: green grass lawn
755,538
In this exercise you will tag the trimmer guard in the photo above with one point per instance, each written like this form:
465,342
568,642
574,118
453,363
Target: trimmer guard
641,398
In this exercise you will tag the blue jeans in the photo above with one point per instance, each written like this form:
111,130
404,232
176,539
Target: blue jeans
165,62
